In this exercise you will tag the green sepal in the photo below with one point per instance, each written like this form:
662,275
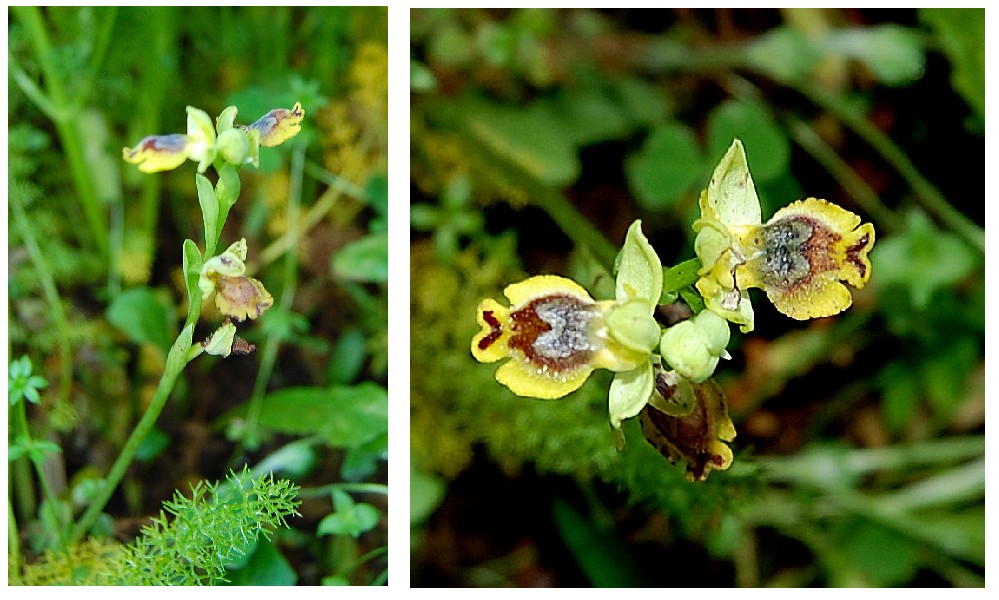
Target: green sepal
731,192
640,272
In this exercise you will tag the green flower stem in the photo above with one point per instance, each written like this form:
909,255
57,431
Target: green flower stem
22,487
51,294
553,202
273,343
154,81
931,198
544,196
13,542
580,230
349,569
176,360
358,488
43,481
658,56
681,276
866,198
63,111
338,186
802,468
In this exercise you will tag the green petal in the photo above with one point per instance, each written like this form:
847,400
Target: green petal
633,325
629,393
226,119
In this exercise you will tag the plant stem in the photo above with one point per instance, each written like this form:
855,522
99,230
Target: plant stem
825,155
273,343
64,114
50,497
357,488
658,56
931,198
176,360
13,542
857,463
558,208
51,293
338,186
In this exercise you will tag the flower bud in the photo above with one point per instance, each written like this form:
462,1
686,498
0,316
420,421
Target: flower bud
694,346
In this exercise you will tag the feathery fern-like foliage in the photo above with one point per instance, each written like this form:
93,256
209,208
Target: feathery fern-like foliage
191,542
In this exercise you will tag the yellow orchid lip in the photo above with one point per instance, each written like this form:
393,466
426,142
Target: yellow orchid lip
241,297
156,153
697,438
278,125
546,333
804,253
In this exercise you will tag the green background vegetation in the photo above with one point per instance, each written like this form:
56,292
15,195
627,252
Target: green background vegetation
539,135
97,292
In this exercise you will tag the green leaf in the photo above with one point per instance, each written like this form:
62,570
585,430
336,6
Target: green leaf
209,210
192,270
343,416
766,145
425,494
602,557
347,358
177,357
350,518
365,259
900,395
922,260
961,534
784,53
143,317
531,137
376,193
152,445
893,53
228,187
882,556
421,78
588,113
945,373
15,452
265,566
37,449
21,383
961,32
294,460
667,166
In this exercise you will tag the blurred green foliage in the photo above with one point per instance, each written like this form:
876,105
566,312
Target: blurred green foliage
97,287
538,135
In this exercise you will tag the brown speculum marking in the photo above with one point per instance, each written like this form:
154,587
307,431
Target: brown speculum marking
494,334
552,332
797,249
853,255
690,437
